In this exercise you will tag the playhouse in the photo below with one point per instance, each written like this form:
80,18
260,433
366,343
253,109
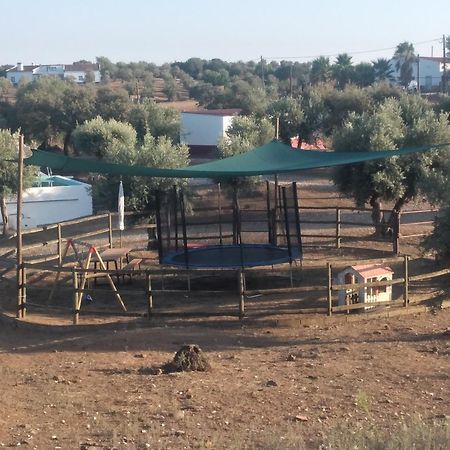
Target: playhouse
368,273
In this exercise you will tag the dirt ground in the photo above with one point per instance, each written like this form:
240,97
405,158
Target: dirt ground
94,388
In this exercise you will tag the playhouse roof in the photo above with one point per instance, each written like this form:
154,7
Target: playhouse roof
271,158
372,270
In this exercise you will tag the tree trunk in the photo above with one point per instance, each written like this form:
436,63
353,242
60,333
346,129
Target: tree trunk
377,215
5,217
67,143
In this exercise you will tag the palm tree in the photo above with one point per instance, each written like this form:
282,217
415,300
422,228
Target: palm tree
342,70
405,56
320,70
383,70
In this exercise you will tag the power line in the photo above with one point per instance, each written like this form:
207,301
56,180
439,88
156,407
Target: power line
360,52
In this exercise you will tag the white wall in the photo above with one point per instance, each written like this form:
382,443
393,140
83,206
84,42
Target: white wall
430,72
55,70
16,76
46,205
203,129
81,73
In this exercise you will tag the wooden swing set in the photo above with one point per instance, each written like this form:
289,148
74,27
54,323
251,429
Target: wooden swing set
86,273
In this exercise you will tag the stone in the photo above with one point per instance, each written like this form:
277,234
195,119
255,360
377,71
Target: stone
301,418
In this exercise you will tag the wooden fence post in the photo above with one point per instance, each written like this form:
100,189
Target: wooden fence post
76,308
338,228
406,285
330,290
148,279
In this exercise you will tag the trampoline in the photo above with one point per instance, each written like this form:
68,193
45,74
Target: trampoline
231,256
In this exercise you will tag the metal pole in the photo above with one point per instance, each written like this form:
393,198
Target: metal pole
184,228
286,225
444,59
297,220
19,278
219,204
275,209
418,73
159,226
269,214
175,215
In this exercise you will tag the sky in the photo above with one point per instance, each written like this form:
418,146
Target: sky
61,31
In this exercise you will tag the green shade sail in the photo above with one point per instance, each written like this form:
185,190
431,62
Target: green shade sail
272,158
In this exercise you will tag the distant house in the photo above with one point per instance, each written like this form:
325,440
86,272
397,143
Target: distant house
201,130
427,72
78,72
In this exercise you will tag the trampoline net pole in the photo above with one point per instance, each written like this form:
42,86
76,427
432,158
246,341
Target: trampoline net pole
238,224
297,220
175,215
183,225
275,210
158,225
269,218
219,207
286,224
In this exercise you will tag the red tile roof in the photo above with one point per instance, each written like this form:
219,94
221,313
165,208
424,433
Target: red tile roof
216,112
317,145
81,67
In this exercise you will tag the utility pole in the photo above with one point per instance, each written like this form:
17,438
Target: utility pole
444,73
290,79
19,265
262,73
418,73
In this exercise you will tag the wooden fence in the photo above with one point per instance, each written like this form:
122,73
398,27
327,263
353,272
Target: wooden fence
55,235
240,291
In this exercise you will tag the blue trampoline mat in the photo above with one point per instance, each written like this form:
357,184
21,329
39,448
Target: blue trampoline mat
231,256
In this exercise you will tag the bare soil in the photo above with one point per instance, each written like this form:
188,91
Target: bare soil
97,386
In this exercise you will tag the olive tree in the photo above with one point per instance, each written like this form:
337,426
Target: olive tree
407,122
244,134
102,138
116,142
9,145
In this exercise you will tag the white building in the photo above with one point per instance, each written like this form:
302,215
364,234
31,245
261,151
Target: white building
427,72
53,199
201,130
78,72
368,273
